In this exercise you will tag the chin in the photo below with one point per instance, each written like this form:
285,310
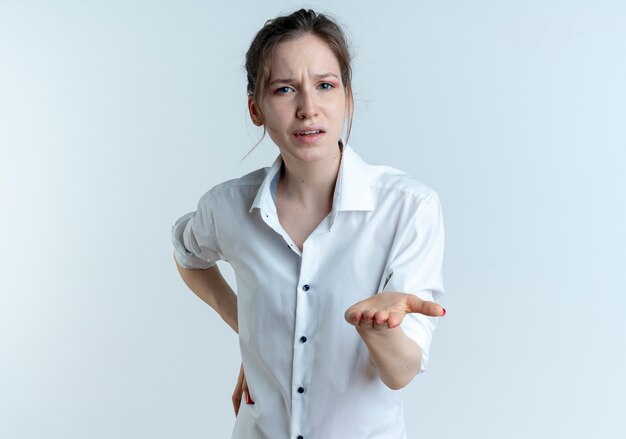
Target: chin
312,151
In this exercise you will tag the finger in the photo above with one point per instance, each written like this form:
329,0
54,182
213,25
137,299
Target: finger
367,320
380,319
395,318
353,316
369,314
425,307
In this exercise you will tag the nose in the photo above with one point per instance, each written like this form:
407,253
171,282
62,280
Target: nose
307,106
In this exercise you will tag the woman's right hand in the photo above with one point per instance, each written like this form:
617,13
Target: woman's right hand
241,388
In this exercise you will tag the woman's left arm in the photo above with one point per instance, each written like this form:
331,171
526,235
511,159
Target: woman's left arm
415,265
377,320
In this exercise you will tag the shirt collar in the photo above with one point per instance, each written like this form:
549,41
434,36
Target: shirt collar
352,189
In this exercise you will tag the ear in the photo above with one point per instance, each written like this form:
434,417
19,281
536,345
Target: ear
255,114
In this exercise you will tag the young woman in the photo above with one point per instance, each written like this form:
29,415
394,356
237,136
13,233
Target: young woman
338,262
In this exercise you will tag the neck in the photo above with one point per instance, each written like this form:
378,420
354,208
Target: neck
311,185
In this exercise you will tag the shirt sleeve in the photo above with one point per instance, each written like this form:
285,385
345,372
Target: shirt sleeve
194,238
416,267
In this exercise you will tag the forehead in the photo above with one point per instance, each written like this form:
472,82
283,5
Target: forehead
307,52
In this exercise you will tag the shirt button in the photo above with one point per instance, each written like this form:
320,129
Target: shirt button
303,339
300,436
306,287
300,389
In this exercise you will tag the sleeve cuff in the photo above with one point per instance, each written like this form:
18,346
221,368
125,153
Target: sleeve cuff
420,328
184,257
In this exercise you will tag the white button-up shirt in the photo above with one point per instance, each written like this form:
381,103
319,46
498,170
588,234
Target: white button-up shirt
307,369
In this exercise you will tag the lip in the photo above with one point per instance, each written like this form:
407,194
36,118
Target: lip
312,138
311,128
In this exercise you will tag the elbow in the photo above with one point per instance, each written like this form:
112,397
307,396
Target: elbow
395,385
398,383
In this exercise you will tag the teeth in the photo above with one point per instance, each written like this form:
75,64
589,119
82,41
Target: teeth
304,133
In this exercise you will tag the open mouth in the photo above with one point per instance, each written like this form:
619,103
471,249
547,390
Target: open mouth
308,133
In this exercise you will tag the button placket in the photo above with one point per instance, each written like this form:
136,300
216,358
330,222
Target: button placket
304,324
270,218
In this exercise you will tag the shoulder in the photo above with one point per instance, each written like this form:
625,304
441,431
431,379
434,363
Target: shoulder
240,188
405,200
397,183
387,179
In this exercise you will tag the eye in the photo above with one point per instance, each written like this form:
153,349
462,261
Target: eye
324,84
282,91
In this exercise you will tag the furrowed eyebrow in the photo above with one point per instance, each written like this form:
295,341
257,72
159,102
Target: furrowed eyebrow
290,80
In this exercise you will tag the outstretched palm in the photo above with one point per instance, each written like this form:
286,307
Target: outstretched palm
387,310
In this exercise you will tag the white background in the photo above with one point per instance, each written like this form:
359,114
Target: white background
116,116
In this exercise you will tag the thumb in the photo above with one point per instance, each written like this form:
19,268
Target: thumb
425,307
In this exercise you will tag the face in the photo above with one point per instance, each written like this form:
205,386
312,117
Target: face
304,93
